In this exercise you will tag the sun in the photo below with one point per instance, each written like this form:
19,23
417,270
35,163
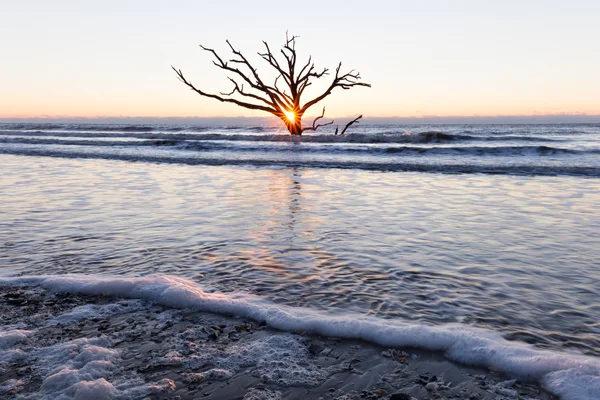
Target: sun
290,115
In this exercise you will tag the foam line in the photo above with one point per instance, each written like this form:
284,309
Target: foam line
569,375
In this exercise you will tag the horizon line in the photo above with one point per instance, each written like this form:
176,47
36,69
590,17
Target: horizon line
220,120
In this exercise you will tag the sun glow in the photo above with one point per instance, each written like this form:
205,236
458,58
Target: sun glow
290,115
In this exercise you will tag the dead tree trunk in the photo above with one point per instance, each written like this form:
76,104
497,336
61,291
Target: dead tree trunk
285,103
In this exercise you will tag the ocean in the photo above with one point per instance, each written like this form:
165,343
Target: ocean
535,150
430,236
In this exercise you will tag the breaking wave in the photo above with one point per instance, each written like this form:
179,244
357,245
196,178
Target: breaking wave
379,165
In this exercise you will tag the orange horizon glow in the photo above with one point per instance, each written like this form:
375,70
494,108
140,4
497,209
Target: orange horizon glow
183,105
290,115
178,105
172,101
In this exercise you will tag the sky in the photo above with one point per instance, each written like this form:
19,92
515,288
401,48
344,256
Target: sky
107,58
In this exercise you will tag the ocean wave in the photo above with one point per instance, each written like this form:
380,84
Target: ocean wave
570,375
251,147
491,151
97,128
378,165
392,137
90,142
504,151
124,128
213,135
78,127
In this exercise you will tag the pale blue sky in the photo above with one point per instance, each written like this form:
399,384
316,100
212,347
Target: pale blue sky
112,58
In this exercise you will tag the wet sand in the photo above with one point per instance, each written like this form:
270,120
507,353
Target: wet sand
130,349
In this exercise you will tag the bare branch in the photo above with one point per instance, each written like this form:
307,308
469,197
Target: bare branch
258,85
240,89
268,56
314,126
223,99
308,64
223,65
345,81
355,120
283,93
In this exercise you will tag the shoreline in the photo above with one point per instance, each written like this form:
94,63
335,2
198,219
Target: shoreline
116,348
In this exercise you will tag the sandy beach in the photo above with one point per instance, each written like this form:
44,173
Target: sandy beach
59,344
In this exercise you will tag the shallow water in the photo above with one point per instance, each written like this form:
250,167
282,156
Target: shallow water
517,254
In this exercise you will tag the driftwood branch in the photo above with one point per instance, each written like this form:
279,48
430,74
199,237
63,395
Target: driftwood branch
354,121
314,125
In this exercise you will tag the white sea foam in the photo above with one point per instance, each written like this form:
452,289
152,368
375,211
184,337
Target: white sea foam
569,375
75,369
8,354
96,311
10,337
283,359
10,327
79,369
262,394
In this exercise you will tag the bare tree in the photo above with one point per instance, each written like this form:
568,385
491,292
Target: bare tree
283,103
